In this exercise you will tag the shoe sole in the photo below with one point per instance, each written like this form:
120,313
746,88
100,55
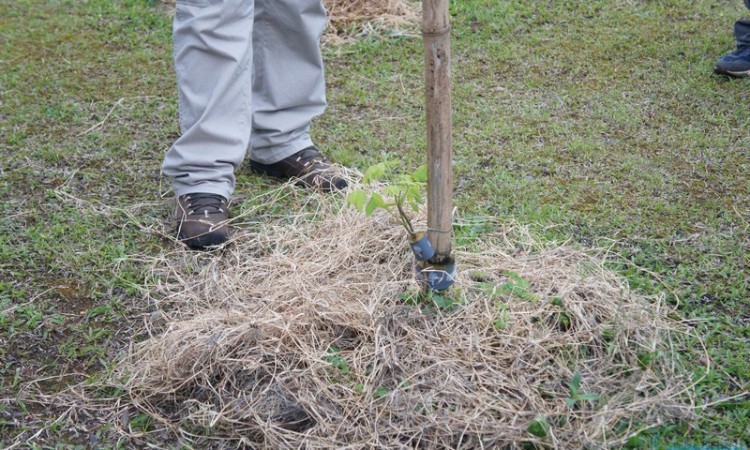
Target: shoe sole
203,241
731,73
263,169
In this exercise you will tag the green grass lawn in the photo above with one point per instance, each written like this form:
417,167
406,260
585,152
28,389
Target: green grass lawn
597,122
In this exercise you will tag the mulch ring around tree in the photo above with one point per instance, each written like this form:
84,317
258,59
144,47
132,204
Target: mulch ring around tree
310,331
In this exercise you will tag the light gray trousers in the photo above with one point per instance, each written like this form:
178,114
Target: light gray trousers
742,30
249,76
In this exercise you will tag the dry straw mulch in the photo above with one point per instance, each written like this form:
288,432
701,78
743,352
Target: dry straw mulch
348,19
298,335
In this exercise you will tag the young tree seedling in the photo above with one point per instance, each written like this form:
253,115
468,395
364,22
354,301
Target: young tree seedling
402,192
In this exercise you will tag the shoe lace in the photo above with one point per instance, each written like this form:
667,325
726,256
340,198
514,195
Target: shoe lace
205,204
317,171
310,157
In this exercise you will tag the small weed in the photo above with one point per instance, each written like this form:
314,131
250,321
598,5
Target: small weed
99,311
563,316
470,231
575,396
337,361
501,320
636,442
517,287
380,392
443,300
141,423
539,427
645,359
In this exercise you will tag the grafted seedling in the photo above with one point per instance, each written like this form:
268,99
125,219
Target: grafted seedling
400,193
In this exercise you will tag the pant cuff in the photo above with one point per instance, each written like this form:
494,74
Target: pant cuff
742,33
271,155
222,189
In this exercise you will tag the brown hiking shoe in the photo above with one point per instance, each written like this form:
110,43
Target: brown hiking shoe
202,219
309,167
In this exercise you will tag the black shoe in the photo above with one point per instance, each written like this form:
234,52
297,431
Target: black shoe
202,220
308,167
735,64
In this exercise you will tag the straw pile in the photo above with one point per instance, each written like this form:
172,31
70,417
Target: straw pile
358,17
352,18
298,335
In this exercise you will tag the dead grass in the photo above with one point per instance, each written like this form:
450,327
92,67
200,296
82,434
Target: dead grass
297,335
348,19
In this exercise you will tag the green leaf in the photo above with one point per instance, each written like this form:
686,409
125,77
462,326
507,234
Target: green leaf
420,175
500,323
357,199
637,441
645,359
98,311
441,301
414,197
141,422
337,361
393,190
575,384
376,201
516,278
609,334
375,172
409,299
564,321
380,392
539,427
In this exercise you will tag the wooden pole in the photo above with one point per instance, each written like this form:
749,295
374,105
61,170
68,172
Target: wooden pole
437,49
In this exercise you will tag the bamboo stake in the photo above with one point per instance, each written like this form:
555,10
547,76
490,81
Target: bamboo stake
436,33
